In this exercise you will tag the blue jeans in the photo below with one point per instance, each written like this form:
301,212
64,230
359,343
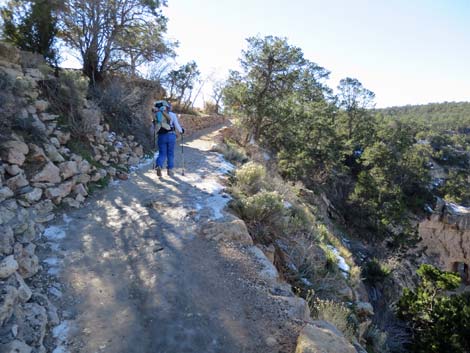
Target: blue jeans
166,149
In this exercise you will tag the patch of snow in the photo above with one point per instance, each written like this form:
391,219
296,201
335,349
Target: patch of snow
306,282
67,220
343,266
52,261
60,333
287,204
458,208
54,233
56,292
225,166
266,156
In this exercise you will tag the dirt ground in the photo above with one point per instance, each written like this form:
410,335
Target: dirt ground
132,275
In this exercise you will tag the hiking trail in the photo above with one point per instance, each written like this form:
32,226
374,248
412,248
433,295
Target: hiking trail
131,273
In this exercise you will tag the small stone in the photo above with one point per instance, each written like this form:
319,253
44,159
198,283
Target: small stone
8,266
32,196
24,292
36,154
7,239
41,105
17,182
55,142
68,169
9,296
28,262
53,154
33,327
49,174
5,193
14,152
13,169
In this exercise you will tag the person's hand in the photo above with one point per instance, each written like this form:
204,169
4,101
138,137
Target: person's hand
182,130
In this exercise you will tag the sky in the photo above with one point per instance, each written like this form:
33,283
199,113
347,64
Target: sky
405,51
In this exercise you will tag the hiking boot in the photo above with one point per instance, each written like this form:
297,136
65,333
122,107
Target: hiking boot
169,172
159,171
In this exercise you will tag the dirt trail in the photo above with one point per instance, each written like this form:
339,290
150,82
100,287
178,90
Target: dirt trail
133,275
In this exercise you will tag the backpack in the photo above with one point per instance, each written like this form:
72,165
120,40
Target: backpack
162,118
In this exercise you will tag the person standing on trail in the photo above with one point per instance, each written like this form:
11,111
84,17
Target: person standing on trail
165,124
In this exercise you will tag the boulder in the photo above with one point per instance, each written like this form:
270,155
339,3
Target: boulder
320,337
7,240
14,152
297,308
49,174
8,266
233,231
17,182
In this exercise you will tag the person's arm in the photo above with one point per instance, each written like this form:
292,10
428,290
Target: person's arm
176,123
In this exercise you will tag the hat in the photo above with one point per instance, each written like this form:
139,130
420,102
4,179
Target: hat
162,103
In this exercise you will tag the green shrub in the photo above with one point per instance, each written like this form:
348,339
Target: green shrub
263,207
251,178
335,313
439,321
374,272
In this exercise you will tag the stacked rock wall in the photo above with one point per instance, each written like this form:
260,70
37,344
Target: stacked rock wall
37,175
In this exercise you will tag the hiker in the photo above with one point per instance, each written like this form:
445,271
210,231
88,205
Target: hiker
165,124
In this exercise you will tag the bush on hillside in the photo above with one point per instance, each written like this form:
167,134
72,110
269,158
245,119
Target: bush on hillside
251,178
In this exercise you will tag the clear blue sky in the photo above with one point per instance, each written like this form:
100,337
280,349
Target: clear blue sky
407,52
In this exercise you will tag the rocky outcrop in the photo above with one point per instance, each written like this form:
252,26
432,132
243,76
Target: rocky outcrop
322,337
193,123
446,237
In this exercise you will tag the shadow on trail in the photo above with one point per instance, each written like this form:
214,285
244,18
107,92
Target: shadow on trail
139,279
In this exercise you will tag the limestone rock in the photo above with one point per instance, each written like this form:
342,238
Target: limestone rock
364,309
320,338
36,154
5,193
60,191
80,190
68,169
71,202
8,211
15,346
35,74
446,235
54,154
297,308
63,137
267,271
28,262
7,240
84,166
24,292
13,169
121,175
41,105
38,124
133,160
8,266
14,152
233,231
17,182
32,196
55,142
82,179
48,117
33,328
8,300
49,174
